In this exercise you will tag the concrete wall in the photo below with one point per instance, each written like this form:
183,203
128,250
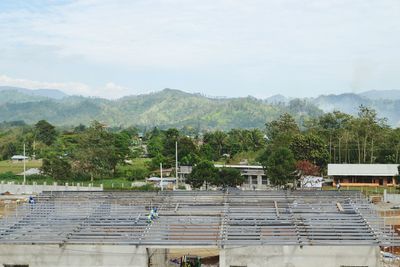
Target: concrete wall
392,198
74,255
294,256
38,188
125,255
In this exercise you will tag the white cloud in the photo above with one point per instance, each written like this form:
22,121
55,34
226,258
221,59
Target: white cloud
286,45
193,33
109,90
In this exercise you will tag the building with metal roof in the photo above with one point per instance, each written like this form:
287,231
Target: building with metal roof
19,158
247,228
364,174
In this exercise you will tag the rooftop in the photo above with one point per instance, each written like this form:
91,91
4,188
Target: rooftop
239,166
197,218
363,169
19,157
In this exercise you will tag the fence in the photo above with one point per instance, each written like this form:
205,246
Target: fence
36,188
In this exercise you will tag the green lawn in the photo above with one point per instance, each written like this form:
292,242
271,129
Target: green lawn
8,168
16,168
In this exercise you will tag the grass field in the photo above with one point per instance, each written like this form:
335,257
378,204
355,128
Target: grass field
16,168
122,181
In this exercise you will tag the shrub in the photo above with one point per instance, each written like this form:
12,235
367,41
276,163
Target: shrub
139,173
8,176
146,187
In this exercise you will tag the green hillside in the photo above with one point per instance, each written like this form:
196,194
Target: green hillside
12,96
167,108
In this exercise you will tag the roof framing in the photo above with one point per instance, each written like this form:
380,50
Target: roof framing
199,218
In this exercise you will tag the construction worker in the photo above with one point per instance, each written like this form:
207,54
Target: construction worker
149,218
338,186
155,213
31,200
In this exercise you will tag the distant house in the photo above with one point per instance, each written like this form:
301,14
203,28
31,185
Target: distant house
166,172
255,175
19,158
364,174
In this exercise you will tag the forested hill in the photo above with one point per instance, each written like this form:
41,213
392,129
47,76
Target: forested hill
386,106
174,108
167,108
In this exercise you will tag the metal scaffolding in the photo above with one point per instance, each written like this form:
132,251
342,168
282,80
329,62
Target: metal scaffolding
199,218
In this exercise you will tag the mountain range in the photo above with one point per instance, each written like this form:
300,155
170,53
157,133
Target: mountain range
175,108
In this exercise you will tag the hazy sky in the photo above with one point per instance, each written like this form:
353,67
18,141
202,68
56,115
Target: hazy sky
221,48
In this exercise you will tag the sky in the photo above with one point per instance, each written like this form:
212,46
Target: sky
297,48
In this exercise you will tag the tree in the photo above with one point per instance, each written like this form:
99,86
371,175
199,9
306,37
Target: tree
155,143
190,159
156,160
367,128
121,142
171,137
206,152
139,173
310,147
304,167
204,172
282,130
229,177
186,147
98,151
80,128
389,146
45,132
7,150
331,127
217,141
57,167
280,166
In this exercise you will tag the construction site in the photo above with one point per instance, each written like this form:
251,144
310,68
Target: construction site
212,228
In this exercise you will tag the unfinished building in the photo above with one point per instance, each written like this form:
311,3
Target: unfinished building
242,228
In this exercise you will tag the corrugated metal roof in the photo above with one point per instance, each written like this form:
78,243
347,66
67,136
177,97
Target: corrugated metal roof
237,166
363,169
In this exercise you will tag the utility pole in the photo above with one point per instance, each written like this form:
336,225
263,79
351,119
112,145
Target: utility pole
176,162
161,181
24,166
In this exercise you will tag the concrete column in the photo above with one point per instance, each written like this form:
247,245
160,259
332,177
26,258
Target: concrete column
384,196
249,179
158,257
259,180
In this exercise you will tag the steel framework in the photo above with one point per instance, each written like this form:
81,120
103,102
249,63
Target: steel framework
199,218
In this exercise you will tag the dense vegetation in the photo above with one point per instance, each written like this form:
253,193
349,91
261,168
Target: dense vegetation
284,146
165,109
176,109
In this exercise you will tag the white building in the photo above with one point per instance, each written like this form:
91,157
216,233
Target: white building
255,174
364,174
19,158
